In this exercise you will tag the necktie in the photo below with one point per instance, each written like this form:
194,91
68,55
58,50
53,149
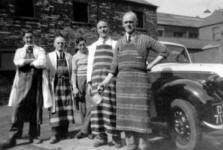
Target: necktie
129,38
103,42
29,51
61,55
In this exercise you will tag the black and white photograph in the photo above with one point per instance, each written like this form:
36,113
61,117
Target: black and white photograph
111,75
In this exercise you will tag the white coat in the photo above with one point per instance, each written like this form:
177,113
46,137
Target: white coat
52,68
39,62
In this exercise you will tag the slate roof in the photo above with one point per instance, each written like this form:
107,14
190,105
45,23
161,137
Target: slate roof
215,18
144,2
178,20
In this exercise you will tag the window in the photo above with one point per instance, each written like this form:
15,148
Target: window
160,33
3,4
140,18
80,11
24,8
177,54
193,35
216,34
178,34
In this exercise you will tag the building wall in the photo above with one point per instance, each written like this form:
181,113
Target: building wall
178,32
207,32
54,17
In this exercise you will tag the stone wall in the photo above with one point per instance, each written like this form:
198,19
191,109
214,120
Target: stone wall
54,17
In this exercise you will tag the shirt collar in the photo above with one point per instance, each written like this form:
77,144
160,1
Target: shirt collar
26,45
133,35
101,40
58,53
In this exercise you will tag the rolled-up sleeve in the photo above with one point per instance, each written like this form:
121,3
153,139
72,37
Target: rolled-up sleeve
114,65
40,60
158,47
18,59
91,52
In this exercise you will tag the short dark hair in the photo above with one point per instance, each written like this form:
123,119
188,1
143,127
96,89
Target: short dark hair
27,31
80,39
102,20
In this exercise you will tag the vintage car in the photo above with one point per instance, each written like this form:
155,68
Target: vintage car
187,96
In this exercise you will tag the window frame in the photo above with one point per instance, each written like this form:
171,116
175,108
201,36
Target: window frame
80,22
137,12
27,17
216,33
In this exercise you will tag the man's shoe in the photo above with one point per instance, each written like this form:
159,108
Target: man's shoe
35,140
8,144
116,141
117,144
91,136
54,140
100,142
80,135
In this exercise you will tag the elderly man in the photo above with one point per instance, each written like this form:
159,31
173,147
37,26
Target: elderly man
133,85
29,91
60,69
103,116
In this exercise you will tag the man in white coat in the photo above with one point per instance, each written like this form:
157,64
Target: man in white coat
29,92
60,69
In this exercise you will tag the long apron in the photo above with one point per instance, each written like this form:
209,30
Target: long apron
103,117
63,100
133,91
29,101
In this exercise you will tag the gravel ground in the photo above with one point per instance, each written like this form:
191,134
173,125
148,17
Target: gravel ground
213,141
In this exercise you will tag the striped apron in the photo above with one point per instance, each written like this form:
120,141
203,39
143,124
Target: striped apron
133,91
103,116
63,99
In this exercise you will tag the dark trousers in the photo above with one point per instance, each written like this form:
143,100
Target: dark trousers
17,128
60,131
86,127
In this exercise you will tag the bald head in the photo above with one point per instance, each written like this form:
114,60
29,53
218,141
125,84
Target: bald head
131,15
59,43
129,22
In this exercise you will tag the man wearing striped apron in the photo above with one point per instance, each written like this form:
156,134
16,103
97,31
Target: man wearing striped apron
59,66
103,116
133,84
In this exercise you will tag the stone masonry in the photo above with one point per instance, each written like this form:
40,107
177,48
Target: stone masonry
53,17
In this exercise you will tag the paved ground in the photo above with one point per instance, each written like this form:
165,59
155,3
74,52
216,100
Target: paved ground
212,141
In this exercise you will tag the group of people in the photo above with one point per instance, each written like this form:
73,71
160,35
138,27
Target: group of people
117,70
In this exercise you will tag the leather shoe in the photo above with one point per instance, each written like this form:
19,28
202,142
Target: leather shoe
100,142
80,135
117,144
54,140
35,140
91,136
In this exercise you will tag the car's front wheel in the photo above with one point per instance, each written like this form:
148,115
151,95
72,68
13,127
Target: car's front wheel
185,125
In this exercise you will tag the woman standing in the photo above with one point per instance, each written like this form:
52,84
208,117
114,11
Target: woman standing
59,66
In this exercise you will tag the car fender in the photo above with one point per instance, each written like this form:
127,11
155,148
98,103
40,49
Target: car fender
189,90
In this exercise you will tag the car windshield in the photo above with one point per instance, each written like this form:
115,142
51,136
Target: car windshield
176,54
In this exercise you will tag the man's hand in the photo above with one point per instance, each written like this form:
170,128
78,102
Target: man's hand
28,61
149,67
100,87
75,91
89,89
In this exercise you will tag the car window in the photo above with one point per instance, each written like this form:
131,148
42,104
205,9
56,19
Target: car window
176,54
